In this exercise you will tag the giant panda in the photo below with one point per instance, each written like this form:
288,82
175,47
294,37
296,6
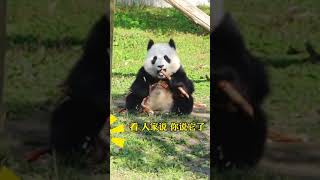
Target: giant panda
239,127
84,110
161,59
83,113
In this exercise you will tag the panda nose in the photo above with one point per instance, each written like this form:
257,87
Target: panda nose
160,66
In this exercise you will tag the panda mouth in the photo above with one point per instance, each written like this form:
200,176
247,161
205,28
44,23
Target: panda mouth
165,70
160,73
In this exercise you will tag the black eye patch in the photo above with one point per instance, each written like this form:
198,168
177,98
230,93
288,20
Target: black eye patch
154,60
167,59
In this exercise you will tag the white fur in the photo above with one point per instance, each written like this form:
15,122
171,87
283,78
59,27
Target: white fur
160,99
160,50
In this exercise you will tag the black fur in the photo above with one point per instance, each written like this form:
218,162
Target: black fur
85,109
238,139
150,44
140,89
172,44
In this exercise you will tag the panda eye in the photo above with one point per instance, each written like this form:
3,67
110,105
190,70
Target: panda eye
167,59
154,59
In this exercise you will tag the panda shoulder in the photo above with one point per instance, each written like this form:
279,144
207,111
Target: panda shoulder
142,72
180,72
143,75
228,29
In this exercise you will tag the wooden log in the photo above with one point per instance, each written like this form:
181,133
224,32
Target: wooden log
196,15
2,57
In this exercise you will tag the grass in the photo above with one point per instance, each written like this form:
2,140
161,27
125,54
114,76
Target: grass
159,155
43,46
269,30
42,49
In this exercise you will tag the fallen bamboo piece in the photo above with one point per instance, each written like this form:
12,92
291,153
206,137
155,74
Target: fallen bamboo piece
280,137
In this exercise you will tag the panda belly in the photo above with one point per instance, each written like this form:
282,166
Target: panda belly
160,99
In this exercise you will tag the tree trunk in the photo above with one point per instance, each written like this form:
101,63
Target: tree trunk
196,15
2,57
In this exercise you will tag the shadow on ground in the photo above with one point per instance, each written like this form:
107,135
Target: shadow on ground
283,62
157,20
30,40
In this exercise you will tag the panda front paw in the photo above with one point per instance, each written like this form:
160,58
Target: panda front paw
178,84
180,89
175,85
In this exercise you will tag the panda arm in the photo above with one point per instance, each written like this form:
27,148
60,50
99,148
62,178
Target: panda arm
138,90
180,79
182,105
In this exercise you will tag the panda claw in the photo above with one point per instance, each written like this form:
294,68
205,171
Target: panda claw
145,106
150,113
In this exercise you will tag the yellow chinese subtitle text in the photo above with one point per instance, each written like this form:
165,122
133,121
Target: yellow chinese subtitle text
167,126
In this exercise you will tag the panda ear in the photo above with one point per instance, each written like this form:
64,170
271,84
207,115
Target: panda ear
172,44
150,43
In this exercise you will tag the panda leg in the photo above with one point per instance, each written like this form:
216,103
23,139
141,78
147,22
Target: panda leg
133,102
35,154
146,107
183,105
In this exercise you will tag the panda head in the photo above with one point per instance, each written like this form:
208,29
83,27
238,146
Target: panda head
161,56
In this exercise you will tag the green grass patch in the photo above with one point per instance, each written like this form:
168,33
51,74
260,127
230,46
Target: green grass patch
44,42
270,29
